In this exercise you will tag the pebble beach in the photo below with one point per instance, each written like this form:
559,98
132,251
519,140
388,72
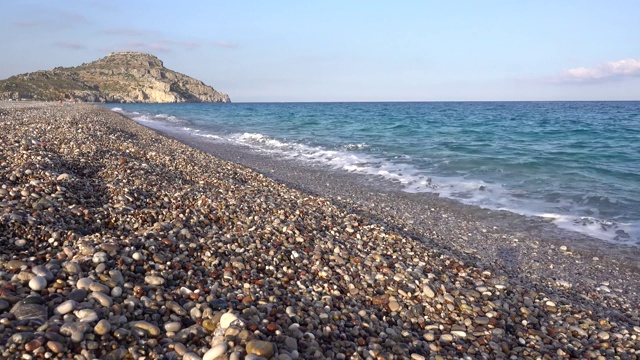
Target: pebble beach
117,242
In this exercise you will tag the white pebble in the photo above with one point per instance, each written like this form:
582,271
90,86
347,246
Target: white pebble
154,280
65,308
116,291
37,283
84,283
173,326
86,315
99,257
215,351
41,270
191,356
102,298
227,319
21,242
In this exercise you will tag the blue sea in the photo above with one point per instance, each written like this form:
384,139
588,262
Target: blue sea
575,163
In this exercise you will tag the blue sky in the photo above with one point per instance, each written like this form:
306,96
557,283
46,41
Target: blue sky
348,50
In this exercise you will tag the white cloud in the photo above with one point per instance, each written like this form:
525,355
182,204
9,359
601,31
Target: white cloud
612,70
224,44
71,45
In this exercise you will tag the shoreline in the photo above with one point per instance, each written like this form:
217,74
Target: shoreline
117,237
358,191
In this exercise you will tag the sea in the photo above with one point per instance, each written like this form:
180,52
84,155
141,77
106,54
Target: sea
576,164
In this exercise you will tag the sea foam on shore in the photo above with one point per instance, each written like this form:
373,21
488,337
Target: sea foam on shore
116,241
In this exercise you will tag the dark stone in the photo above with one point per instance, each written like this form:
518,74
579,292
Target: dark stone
117,354
55,337
31,310
78,295
34,300
415,311
218,304
187,321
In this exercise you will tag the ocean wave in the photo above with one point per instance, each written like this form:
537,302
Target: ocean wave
489,195
489,180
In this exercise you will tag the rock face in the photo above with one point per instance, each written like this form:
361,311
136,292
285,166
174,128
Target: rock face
119,77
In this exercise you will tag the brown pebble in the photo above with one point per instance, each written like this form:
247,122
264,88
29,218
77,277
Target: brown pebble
55,347
33,344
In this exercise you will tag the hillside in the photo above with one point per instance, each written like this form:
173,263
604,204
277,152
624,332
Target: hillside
127,77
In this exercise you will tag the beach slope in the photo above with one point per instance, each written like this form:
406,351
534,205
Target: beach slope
116,242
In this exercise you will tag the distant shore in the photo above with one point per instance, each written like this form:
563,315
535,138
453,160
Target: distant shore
125,238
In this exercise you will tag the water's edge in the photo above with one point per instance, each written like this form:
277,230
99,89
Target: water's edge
281,132
425,214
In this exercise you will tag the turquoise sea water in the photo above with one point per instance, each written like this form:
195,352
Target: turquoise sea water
577,163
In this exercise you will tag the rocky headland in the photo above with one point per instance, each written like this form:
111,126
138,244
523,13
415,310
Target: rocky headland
119,243
125,77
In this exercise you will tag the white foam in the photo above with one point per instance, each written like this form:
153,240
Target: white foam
210,136
117,109
355,146
145,118
399,170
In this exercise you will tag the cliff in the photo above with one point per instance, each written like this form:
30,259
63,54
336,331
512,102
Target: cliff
119,77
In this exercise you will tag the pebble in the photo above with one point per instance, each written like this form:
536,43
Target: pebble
84,283
291,343
31,309
55,347
149,328
175,254
77,295
176,308
215,351
38,283
191,356
74,330
394,306
102,327
154,280
173,326
86,315
446,337
13,265
99,257
41,270
102,298
21,337
98,287
428,291
180,348
227,319
261,348
65,307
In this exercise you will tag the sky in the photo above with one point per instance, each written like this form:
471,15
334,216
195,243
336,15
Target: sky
273,51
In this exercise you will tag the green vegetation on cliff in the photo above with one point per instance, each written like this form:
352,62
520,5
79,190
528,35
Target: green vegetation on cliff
118,77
